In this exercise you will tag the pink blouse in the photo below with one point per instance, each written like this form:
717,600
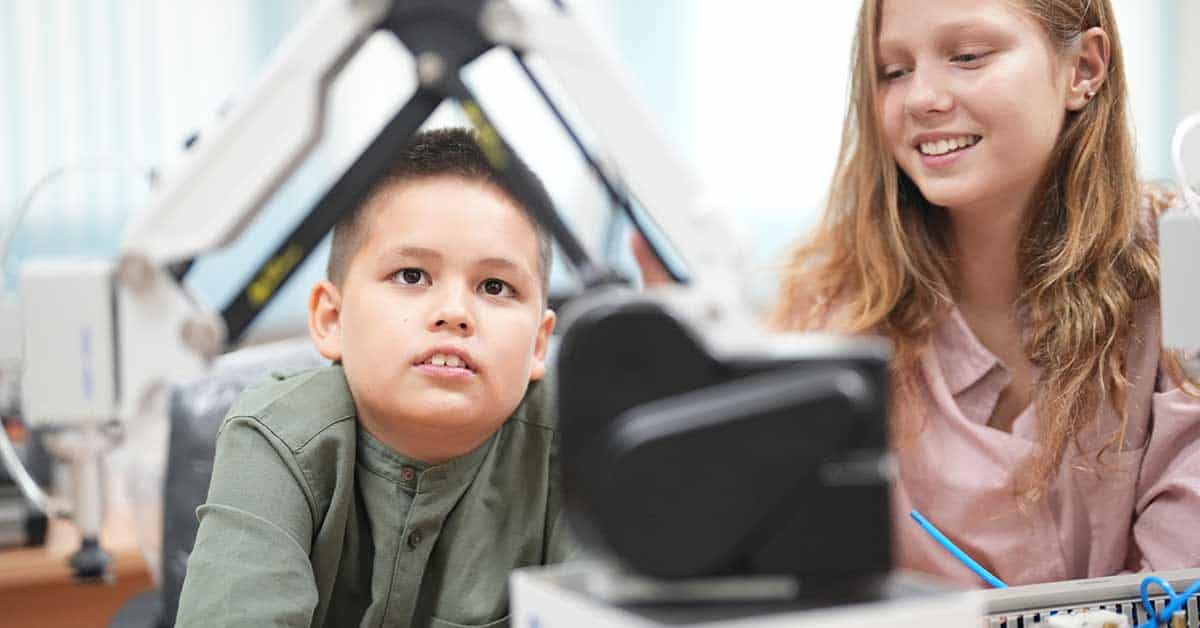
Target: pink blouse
1140,512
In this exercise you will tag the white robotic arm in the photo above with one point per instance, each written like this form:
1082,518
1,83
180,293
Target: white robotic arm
101,340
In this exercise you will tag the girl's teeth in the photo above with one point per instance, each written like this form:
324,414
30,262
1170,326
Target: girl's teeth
438,360
941,147
454,361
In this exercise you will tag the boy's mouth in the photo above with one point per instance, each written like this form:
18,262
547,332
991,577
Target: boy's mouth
443,359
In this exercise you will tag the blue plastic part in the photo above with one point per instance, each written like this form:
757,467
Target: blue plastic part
1176,600
957,553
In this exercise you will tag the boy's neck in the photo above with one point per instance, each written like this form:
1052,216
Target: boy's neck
421,443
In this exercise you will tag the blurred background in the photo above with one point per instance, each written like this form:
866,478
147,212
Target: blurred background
99,97
99,94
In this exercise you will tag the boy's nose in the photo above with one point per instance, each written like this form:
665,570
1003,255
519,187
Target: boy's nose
452,316
453,322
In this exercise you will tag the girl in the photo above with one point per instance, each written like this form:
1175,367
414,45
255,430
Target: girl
985,216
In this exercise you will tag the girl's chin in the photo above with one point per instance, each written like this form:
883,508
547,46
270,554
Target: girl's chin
950,198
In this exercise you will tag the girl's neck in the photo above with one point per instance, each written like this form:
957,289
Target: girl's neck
986,241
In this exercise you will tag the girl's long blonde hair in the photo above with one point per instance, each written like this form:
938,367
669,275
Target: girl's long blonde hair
880,262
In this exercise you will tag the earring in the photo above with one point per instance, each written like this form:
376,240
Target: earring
1090,95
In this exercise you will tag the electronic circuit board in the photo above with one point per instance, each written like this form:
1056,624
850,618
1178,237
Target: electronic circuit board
1032,605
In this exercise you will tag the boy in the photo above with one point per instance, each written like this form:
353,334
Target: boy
400,485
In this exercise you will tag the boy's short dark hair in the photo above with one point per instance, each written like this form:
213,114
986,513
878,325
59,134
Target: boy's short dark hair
442,152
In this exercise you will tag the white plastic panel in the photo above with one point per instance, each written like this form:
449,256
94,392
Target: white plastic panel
68,372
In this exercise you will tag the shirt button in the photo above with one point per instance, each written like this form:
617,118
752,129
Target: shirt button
414,539
407,473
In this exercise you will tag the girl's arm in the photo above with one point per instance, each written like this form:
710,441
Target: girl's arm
250,565
1167,510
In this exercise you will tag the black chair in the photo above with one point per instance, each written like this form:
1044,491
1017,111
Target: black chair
196,410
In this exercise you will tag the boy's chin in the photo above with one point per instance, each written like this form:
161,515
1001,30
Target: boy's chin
451,414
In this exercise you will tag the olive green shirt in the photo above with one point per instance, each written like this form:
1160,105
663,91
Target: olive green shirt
311,521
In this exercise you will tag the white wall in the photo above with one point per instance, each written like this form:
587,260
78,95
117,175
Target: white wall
751,94
767,81
115,85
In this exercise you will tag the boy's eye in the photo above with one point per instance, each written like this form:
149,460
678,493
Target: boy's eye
496,288
412,277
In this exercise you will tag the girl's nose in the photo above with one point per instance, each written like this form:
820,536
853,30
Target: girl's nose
927,94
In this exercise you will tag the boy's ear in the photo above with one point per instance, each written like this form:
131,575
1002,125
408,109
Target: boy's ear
1089,67
324,319
542,345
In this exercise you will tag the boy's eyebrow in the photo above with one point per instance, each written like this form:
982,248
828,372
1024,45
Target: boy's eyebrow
499,261
423,253
504,263
418,252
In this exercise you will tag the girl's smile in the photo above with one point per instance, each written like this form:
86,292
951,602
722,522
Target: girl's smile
942,149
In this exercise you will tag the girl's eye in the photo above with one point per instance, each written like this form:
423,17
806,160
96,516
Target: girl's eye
412,277
966,57
496,288
891,74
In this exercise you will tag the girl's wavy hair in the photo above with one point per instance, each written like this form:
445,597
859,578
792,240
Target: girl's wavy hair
879,260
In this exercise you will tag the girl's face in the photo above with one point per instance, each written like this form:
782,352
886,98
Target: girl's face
972,96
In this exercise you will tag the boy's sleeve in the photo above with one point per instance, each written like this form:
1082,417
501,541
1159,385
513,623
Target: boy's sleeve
1168,491
561,543
250,564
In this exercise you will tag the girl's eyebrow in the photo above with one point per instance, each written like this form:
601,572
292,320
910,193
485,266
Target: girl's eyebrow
945,30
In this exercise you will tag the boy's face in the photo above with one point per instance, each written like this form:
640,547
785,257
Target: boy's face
439,321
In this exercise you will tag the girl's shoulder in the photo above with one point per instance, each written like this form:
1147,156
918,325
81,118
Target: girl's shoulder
1158,368
1157,198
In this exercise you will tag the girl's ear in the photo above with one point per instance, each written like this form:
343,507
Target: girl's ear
324,319
1089,67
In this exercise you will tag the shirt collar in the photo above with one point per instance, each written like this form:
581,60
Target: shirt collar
416,475
963,358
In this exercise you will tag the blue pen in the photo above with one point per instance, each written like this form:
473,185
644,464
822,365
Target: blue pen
957,553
